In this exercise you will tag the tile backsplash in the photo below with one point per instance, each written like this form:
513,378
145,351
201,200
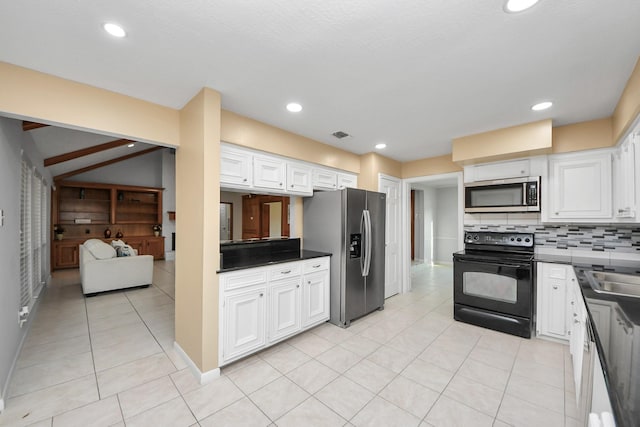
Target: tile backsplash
575,237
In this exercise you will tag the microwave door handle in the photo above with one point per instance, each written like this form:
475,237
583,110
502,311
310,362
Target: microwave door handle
525,199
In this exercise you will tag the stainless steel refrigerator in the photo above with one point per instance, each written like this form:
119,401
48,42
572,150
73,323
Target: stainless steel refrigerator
350,225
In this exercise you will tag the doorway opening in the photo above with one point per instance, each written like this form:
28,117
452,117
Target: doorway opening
435,227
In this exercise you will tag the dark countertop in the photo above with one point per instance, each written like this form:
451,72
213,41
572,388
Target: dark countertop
303,255
617,337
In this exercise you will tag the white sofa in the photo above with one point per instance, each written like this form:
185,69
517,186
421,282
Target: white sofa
101,270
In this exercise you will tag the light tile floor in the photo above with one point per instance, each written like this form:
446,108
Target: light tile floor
109,361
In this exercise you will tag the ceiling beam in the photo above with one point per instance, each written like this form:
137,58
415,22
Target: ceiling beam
31,125
105,163
85,152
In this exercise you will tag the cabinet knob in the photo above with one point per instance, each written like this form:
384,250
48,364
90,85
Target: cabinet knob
244,180
261,295
309,282
316,266
555,287
575,314
280,184
556,213
285,272
291,185
576,321
297,286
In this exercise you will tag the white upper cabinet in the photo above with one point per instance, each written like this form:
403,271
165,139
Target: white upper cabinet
325,179
235,167
299,178
625,179
269,172
579,187
499,170
347,180
246,169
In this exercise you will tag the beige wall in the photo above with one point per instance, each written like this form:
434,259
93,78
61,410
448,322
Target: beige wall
371,164
430,166
517,141
198,228
31,95
583,136
241,130
628,107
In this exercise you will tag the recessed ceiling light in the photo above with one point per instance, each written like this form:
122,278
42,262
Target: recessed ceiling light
294,107
114,29
381,146
515,6
131,145
542,106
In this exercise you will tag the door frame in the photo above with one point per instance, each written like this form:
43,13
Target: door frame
405,201
381,176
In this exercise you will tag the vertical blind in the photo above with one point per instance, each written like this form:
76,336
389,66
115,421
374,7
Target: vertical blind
33,197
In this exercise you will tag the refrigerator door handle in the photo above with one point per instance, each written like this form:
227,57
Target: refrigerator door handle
367,224
363,254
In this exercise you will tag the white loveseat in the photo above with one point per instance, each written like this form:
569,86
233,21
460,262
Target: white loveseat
101,270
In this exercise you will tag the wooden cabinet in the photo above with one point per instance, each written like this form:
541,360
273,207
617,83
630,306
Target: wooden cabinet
86,210
65,254
579,187
147,245
264,305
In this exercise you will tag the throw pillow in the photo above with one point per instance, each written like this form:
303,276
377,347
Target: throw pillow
124,250
99,249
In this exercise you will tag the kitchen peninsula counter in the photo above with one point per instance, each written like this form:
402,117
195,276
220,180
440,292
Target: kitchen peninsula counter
618,337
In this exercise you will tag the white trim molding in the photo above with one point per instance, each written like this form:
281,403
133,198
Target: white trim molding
1,405
203,377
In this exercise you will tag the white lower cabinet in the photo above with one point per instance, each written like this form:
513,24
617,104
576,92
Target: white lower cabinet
554,300
284,308
264,305
244,328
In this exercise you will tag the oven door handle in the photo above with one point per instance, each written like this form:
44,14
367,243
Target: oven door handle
498,264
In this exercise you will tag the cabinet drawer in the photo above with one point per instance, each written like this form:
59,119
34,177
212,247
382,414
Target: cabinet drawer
317,264
284,271
242,279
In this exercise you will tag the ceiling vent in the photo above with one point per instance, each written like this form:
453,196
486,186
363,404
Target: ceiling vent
339,134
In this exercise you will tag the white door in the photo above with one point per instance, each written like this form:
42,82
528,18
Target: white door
391,187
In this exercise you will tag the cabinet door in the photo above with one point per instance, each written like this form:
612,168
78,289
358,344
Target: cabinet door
235,167
512,169
66,255
244,322
625,180
581,187
315,298
555,309
268,172
346,180
325,179
137,243
299,178
155,246
284,308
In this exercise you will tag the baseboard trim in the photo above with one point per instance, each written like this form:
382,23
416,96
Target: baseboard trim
1,405
203,377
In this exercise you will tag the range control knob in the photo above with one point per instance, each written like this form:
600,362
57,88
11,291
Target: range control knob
527,239
519,239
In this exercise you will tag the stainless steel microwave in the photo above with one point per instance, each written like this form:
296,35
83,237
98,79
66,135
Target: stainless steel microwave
503,195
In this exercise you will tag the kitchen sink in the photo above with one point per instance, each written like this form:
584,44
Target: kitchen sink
614,283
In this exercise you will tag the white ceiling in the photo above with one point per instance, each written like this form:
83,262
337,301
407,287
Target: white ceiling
413,73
